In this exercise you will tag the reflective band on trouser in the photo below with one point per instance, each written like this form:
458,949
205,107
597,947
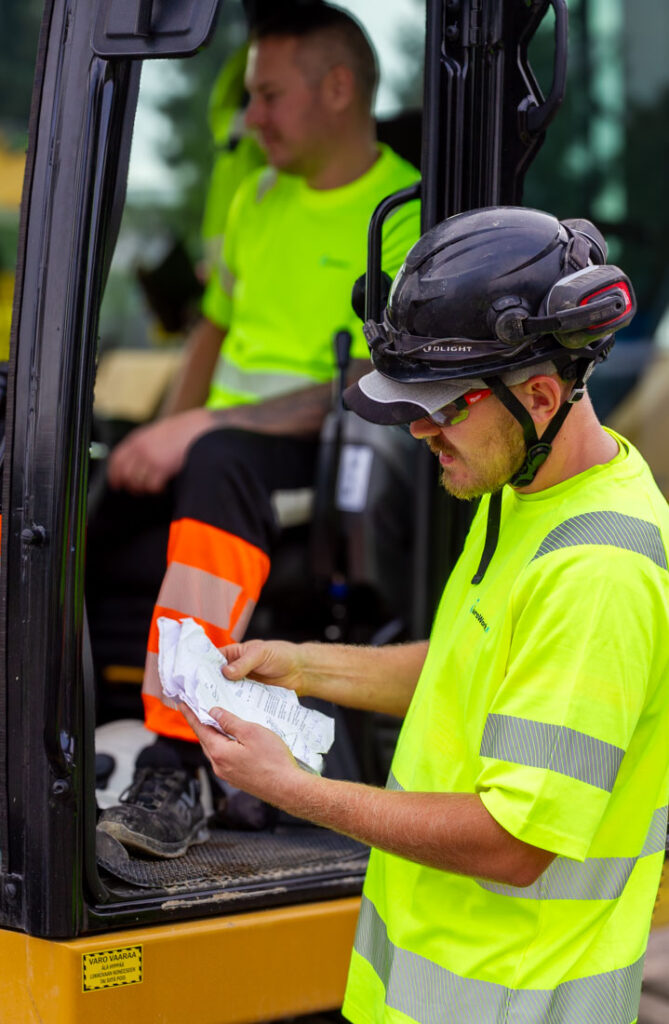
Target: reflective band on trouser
596,878
553,747
432,994
612,528
213,577
230,381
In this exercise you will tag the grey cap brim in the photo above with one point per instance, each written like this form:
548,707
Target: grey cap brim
380,400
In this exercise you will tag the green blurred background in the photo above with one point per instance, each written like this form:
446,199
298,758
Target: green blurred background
604,157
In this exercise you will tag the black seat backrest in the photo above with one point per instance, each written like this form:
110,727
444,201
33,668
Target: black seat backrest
402,132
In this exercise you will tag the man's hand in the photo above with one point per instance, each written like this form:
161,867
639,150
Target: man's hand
368,678
256,760
276,662
150,456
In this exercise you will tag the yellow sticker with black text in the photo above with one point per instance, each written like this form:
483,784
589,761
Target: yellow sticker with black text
109,968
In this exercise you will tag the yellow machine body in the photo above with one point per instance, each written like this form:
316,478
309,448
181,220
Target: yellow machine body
258,966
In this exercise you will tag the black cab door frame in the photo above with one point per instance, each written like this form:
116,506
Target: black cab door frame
82,116
79,143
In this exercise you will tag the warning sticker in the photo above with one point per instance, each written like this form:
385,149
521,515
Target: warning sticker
109,968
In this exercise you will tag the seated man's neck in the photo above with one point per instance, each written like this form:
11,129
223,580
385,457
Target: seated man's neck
346,164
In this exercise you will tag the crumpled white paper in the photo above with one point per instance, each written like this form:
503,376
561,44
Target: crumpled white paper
190,670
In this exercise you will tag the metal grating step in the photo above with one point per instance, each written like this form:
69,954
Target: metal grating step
232,859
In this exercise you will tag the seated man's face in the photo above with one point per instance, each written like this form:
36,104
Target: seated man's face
286,109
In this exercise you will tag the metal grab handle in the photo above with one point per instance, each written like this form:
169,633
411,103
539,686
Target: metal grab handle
373,305
538,116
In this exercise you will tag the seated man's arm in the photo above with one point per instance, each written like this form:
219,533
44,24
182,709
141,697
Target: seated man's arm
297,414
151,455
191,388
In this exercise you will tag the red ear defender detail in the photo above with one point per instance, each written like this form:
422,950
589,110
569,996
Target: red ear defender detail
629,305
589,305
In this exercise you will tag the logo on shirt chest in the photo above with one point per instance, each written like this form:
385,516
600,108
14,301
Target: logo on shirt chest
479,618
334,263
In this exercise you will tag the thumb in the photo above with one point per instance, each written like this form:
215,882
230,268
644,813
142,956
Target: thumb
244,659
230,724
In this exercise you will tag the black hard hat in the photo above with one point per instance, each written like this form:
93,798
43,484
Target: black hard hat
490,293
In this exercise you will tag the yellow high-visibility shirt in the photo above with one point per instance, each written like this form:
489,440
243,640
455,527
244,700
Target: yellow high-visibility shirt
546,692
291,256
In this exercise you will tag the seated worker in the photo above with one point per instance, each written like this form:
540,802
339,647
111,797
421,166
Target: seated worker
236,149
518,845
245,417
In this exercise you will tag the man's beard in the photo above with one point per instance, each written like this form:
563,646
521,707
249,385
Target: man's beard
498,457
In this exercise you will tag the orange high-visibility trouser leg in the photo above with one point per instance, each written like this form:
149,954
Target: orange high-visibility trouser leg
213,577
222,531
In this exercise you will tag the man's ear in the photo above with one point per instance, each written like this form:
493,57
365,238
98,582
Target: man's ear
542,396
338,88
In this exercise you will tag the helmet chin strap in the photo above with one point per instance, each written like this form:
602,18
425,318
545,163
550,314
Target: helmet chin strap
537,449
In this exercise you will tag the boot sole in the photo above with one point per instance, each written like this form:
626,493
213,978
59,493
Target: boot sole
154,847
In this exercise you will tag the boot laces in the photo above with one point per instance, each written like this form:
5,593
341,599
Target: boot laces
151,787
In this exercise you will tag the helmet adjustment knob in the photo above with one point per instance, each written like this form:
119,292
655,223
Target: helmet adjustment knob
509,325
506,317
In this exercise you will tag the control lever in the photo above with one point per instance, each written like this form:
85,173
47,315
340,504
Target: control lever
342,345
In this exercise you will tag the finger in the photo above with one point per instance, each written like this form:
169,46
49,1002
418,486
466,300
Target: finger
124,469
154,481
231,725
203,732
244,660
231,653
136,485
115,469
190,717
139,473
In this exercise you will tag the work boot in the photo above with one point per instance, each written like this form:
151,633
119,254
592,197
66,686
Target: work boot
159,814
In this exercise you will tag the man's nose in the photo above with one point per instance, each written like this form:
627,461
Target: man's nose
253,114
424,428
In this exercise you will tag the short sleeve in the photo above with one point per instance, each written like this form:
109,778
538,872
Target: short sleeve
218,296
555,737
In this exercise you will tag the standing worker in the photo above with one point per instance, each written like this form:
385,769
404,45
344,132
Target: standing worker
518,846
257,384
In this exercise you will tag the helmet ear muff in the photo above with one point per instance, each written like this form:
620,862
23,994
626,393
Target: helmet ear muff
580,308
589,305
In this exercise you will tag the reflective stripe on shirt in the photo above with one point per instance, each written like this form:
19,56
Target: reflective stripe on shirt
431,994
596,878
553,747
612,528
253,385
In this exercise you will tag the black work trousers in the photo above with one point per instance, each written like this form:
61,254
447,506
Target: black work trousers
201,549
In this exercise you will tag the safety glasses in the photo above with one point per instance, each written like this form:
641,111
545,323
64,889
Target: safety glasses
457,411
